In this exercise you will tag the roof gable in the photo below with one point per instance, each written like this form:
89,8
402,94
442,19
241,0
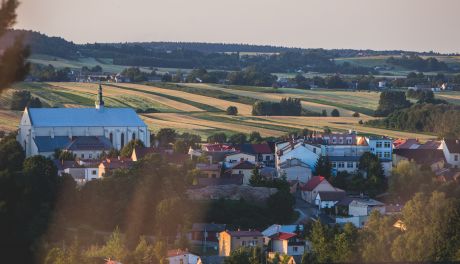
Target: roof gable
313,183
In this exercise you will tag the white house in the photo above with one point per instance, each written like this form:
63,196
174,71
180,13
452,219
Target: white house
451,150
90,130
305,154
275,229
244,168
327,199
313,186
177,256
382,147
287,244
364,207
233,159
295,170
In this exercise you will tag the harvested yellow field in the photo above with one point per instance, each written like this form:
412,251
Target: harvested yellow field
243,109
114,92
9,120
186,121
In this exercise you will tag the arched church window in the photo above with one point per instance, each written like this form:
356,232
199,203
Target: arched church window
111,137
133,136
122,140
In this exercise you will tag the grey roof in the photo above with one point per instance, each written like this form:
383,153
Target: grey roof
453,145
48,144
89,143
84,117
331,196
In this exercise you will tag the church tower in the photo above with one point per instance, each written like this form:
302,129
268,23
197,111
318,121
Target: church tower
99,101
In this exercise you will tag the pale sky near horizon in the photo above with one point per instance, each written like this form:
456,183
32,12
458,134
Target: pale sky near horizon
420,25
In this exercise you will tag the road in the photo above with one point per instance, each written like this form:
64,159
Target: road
305,209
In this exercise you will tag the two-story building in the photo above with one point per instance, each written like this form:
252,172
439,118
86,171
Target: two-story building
230,241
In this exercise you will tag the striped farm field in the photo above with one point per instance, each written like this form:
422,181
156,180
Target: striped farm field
311,101
200,108
243,109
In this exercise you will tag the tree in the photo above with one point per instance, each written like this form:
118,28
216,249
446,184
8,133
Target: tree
144,253
11,154
256,178
282,205
323,112
390,101
166,136
238,138
114,248
220,137
432,229
335,113
127,150
346,246
254,137
407,179
323,167
322,247
22,98
166,219
180,146
376,238
13,64
374,176
232,110
356,114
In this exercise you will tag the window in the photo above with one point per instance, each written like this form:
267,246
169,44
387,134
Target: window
133,137
82,155
456,157
90,156
295,249
334,165
93,172
111,138
349,164
340,140
378,144
379,154
243,243
334,141
341,164
267,157
387,144
349,141
122,139
386,155
314,150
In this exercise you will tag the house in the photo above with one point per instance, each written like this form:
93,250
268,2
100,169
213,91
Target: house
357,210
233,159
233,240
328,199
428,153
178,256
244,168
216,152
287,244
43,130
295,170
275,229
110,164
263,152
206,232
81,171
307,152
451,150
209,170
315,185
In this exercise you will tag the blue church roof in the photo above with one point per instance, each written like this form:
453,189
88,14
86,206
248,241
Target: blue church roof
48,144
84,117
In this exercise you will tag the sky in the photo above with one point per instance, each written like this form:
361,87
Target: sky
418,25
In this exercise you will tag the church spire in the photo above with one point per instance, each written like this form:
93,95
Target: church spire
99,101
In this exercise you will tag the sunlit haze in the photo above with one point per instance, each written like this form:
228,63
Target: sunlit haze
419,25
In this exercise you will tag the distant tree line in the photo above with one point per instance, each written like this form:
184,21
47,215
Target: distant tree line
286,107
415,62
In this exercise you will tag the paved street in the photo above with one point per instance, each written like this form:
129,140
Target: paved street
305,209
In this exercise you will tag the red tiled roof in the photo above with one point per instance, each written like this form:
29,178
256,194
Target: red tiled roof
312,183
217,147
284,236
115,163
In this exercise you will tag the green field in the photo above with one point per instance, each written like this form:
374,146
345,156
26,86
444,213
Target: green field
200,108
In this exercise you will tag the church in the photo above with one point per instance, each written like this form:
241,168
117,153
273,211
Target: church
87,132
